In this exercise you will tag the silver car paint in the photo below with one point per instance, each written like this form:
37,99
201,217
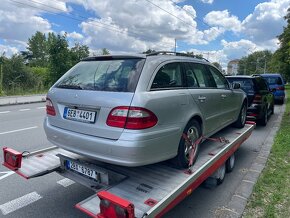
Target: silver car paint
174,108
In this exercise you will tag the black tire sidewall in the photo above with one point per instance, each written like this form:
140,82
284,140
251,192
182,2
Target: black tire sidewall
182,161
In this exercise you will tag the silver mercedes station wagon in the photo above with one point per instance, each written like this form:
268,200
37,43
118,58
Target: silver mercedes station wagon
132,110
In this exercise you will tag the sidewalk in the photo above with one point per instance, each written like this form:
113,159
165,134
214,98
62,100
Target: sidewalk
10,100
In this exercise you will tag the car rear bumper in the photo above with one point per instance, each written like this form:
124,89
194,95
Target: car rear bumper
126,151
254,112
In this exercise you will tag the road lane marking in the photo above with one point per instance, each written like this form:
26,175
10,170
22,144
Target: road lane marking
18,203
24,109
4,112
18,130
65,182
6,174
41,107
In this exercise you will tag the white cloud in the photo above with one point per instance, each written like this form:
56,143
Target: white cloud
136,25
223,19
18,21
73,35
266,22
8,51
207,1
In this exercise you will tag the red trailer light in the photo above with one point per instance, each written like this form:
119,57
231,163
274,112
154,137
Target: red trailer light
12,158
112,206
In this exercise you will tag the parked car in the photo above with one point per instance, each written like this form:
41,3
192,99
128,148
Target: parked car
276,82
260,97
133,110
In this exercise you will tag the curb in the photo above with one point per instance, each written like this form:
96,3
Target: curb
238,202
14,100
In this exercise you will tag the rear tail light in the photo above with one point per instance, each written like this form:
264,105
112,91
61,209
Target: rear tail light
131,118
49,107
280,88
257,99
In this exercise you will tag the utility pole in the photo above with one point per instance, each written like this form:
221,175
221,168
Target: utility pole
1,74
175,45
265,64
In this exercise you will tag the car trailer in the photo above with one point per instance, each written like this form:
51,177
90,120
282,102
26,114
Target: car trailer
127,192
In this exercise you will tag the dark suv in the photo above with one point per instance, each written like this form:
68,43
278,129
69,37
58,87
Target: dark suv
260,97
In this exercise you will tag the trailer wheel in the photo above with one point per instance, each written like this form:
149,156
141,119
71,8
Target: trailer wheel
221,173
193,131
230,163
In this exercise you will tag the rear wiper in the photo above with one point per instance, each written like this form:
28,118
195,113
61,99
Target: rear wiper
69,86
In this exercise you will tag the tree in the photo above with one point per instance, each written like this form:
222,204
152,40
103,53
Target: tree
59,56
105,51
148,51
217,65
16,75
255,63
78,52
281,58
37,46
2,58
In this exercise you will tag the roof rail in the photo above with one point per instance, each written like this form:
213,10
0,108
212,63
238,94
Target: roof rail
175,53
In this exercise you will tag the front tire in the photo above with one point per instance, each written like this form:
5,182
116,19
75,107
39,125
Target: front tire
193,132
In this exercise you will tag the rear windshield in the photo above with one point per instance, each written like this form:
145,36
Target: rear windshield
103,75
246,84
274,80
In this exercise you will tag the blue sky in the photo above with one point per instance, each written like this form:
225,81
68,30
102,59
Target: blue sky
221,30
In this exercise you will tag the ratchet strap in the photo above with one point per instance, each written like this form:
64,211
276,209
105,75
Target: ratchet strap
196,143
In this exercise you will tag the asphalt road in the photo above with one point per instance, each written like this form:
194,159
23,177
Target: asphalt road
54,196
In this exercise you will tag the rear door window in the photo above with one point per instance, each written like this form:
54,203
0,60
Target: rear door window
168,76
104,75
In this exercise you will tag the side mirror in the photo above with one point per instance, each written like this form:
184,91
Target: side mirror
236,85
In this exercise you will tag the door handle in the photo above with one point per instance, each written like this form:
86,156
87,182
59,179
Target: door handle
201,98
223,96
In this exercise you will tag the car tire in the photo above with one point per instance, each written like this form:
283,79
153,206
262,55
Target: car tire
241,121
264,119
193,131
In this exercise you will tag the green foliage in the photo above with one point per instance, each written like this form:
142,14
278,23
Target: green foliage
255,63
16,75
78,52
105,51
217,65
281,59
59,56
148,51
38,47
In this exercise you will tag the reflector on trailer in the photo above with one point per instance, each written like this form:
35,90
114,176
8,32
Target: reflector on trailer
12,158
112,206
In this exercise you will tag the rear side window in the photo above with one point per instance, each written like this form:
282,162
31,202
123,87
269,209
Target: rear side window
168,76
104,75
219,79
274,80
202,75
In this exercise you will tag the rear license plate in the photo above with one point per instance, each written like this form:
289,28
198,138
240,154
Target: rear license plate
81,169
79,115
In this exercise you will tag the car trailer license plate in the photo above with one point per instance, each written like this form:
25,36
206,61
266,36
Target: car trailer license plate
81,169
